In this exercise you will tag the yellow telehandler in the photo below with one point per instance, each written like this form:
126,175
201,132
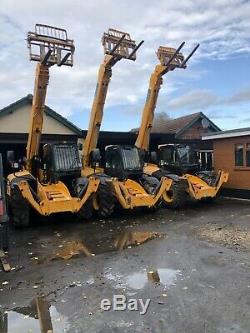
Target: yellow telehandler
49,179
174,160
121,180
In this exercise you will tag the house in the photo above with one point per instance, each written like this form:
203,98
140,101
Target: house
15,122
232,153
188,129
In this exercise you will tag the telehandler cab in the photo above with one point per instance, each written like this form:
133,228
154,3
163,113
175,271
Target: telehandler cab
195,186
122,179
49,181
182,160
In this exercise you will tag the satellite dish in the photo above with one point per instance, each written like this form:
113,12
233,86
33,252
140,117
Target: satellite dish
205,123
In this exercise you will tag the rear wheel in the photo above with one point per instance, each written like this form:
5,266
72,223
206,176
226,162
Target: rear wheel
105,200
176,197
19,209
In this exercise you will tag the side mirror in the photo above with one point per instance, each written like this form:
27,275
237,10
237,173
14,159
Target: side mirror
95,156
11,156
153,157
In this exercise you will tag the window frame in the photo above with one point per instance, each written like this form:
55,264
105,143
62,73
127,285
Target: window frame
245,150
243,153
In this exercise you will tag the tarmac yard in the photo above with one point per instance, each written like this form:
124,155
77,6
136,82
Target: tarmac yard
63,269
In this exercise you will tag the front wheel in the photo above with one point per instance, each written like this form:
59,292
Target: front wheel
86,211
209,199
105,200
4,234
19,209
176,197
151,185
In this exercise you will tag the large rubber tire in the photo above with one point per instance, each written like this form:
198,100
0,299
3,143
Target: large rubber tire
151,185
86,212
208,200
80,187
105,200
176,197
19,209
4,236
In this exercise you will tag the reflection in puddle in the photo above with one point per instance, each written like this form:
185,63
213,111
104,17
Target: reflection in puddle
38,317
134,238
139,280
72,249
116,242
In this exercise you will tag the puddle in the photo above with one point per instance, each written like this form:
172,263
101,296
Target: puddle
139,280
114,242
72,249
135,238
38,317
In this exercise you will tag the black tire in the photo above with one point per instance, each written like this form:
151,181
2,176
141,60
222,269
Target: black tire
4,236
151,185
105,200
176,197
19,209
80,187
86,212
208,199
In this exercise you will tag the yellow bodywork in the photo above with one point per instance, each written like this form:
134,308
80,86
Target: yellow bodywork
128,193
150,168
197,188
53,198
131,194
49,197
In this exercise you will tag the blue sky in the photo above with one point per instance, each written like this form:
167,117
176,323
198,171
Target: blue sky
215,82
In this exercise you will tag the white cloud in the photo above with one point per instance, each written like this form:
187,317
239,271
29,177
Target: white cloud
222,28
194,100
203,99
240,97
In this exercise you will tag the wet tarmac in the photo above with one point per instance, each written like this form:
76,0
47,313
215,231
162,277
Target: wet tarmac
61,269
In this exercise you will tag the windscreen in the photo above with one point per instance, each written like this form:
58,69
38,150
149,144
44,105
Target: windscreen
187,155
131,159
66,158
167,155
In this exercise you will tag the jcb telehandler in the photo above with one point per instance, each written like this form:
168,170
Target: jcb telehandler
195,185
122,180
182,160
48,181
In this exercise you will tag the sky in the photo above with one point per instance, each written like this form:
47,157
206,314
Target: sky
215,82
